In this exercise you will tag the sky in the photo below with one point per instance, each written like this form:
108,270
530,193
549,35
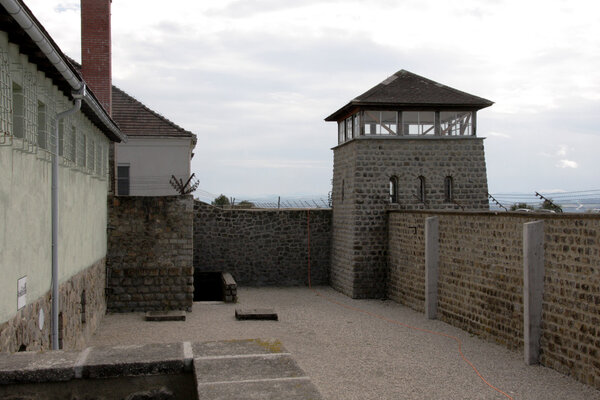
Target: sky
254,80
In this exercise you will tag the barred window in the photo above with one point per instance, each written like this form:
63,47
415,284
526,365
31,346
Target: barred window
448,189
5,96
42,126
18,116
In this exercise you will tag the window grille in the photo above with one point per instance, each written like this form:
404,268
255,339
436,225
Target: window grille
81,150
30,106
72,149
98,167
5,99
91,161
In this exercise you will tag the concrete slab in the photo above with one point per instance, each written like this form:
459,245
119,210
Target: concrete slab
255,314
30,367
165,316
289,389
245,367
132,360
238,347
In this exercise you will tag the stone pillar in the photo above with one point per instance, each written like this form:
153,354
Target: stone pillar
533,289
432,261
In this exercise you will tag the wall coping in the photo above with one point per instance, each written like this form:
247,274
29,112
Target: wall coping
524,215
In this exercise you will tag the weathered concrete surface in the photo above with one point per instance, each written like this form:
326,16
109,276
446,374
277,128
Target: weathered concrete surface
533,289
255,313
32,367
165,316
432,264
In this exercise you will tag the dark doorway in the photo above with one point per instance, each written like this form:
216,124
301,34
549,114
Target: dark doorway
208,286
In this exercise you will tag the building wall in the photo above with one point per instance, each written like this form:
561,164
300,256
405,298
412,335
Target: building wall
480,286
363,167
263,247
150,253
25,186
152,161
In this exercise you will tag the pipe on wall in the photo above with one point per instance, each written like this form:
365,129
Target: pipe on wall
55,278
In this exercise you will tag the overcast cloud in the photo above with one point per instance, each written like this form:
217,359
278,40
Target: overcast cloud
254,79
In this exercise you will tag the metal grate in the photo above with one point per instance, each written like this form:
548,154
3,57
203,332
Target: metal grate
5,99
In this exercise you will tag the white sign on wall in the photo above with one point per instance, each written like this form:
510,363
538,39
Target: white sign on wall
21,292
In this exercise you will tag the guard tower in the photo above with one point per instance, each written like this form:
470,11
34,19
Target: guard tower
407,143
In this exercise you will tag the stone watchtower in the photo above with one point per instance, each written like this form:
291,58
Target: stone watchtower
407,143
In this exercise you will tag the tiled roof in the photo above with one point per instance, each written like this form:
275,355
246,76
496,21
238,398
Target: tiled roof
410,90
135,119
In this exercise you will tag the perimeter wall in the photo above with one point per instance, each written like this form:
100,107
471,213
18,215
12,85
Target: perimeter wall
480,286
263,247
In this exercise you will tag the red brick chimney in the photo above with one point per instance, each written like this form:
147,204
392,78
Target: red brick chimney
96,49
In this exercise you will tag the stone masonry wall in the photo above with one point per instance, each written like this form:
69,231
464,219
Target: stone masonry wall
150,253
82,305
480,286
362,170
263,247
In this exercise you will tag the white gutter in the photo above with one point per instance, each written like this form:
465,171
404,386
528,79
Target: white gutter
22,17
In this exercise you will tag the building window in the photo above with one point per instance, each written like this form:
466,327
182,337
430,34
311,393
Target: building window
418,122
61,138
421,195
394,189
348,128
356,125
123,180
341,132
381,122
42,132
456,123
18,111
448,189
72,152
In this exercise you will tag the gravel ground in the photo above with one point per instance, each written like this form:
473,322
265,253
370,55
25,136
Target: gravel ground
353,355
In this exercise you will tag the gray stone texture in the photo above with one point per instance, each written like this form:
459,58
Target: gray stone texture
432,262
362,169
150,253
263,247
78,319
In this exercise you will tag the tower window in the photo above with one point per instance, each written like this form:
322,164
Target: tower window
448,189
421,194
343,184
394,189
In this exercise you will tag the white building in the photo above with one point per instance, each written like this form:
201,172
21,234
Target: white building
36,84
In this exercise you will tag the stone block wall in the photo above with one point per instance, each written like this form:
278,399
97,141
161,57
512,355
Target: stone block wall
263,247
480,285
150,253
82,305
362,170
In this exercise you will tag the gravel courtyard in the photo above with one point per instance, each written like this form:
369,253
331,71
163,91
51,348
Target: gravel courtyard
353,355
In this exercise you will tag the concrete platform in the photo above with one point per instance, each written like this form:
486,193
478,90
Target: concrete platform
165,316
245,369
255,314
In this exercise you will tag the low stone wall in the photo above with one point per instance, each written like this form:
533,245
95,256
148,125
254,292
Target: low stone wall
480,285
150,253
263,247
82,305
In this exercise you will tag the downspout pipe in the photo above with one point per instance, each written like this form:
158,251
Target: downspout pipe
78,97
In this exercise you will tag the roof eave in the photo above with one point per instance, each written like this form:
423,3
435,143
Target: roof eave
353,104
